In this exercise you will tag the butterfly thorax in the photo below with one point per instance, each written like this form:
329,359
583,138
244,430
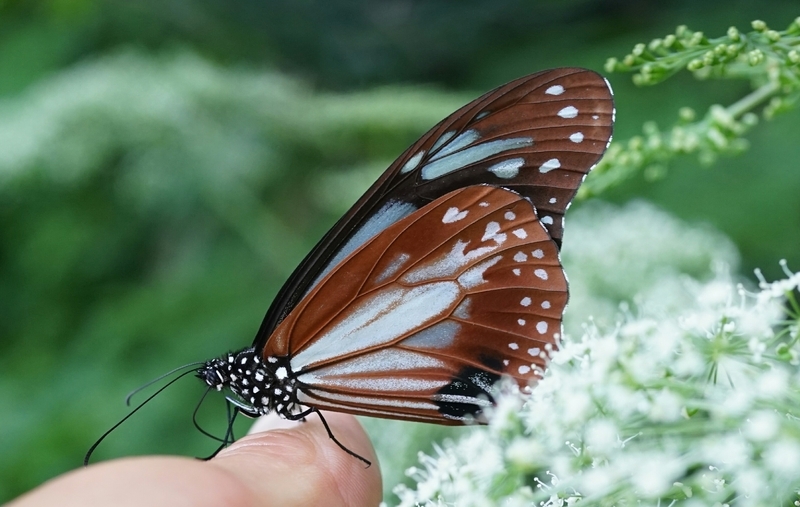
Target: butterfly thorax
261,386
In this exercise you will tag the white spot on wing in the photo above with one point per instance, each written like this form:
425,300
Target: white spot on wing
540,273
550,165
413,162
520,257
552,200
538,253
493,232
577,137
483,204
507,168
516,271
535,351
509,215
526,301
546,304
568,112
524,369
555,90
521,322
474,275
513,346
541,326
447,265
547,220
453,215
520,233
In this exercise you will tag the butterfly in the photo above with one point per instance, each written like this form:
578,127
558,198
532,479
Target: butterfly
443,277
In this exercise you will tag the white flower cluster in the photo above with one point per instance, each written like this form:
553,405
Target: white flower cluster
694,405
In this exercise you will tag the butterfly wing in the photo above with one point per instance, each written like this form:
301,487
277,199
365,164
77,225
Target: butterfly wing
538,135
423,318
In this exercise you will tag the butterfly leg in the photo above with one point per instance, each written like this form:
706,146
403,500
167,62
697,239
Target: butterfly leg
302,415
229,437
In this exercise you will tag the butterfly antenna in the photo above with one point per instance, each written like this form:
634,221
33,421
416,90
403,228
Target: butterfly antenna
104,435
160,377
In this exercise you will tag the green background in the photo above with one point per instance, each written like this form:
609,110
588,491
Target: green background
164,164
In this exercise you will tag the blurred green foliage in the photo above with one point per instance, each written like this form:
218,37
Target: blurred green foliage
161,175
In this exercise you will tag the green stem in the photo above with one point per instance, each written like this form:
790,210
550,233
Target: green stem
753,99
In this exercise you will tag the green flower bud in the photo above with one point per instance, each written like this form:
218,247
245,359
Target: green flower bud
720,116
650,128
611,64
683,31
669,40
695,64
686,114
695,39
655,45
733,34
638,49
755,57
759,25
750,119
772,35
794,56
635,143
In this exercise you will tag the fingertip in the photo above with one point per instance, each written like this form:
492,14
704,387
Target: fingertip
294,463
272,421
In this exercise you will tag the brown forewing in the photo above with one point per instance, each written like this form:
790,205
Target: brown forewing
521,108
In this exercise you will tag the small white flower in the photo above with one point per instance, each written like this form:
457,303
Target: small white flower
773,384
526,453
783,458
653,475
762,426
602,436
666,406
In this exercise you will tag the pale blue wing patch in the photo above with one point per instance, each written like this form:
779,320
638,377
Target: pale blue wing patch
389,213
454,160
